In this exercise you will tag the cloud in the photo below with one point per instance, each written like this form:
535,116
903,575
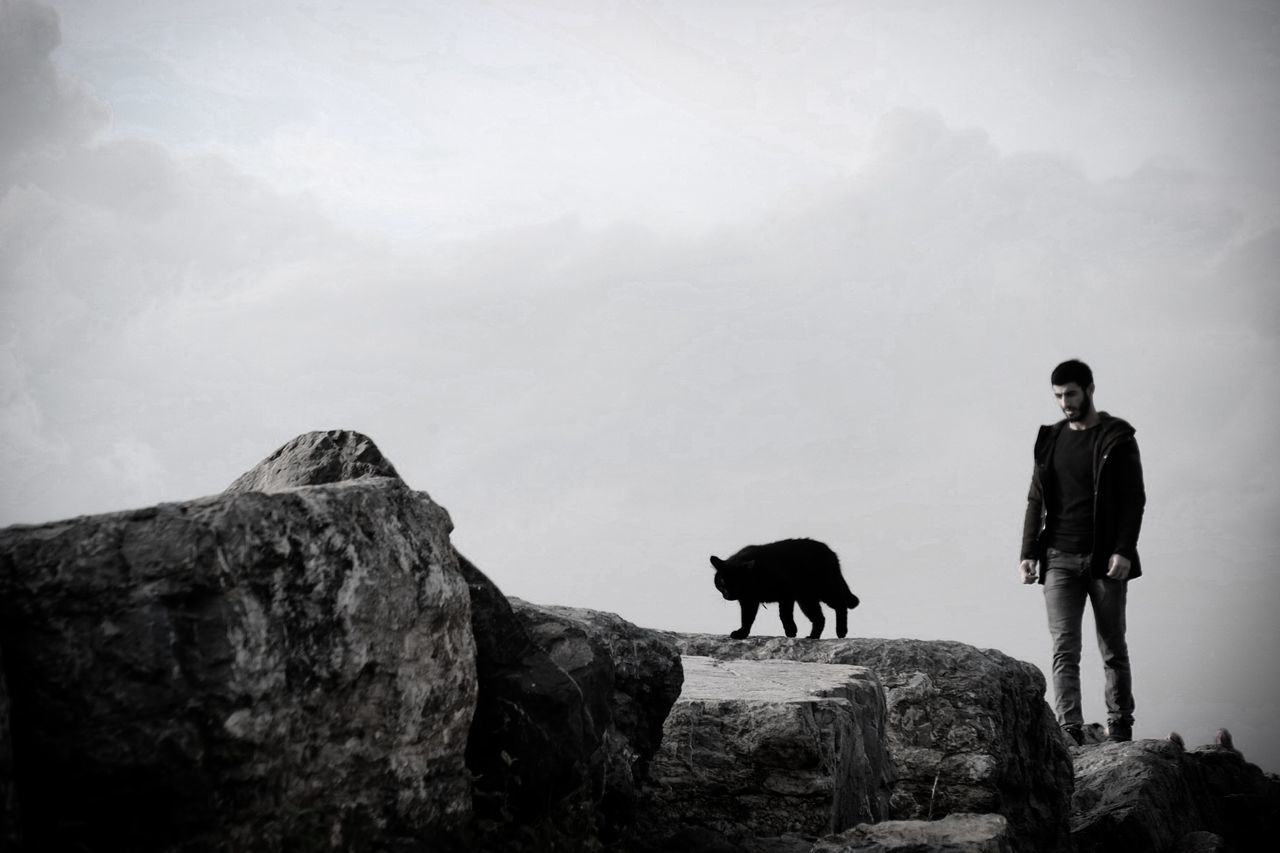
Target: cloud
42,110
198,295
107,247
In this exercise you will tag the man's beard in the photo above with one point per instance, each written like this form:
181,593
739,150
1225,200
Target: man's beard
1085,409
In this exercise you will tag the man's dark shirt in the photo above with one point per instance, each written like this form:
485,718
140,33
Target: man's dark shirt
1118,502
1072,528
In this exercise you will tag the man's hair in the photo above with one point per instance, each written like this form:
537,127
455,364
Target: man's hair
1072,371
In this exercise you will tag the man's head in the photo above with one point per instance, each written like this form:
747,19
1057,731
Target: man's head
1073,389
1072,371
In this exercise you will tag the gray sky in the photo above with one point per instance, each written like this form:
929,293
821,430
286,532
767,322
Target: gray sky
623,285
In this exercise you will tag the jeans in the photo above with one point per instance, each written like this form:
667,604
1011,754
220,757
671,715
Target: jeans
1067,584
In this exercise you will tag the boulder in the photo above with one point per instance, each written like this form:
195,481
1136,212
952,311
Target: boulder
535,752
1153,795
531,739
629,677
249,671
955,833
968,730
761,749
10,834
316,459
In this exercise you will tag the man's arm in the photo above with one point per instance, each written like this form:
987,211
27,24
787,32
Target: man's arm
1130,496
1031,523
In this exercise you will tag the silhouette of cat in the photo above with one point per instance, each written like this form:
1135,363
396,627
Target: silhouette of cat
790,572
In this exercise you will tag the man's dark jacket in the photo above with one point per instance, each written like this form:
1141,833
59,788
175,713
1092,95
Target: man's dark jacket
1119,497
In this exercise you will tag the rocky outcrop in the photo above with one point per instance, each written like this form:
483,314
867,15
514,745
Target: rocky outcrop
968,730
955,833
316,459
764,749
1151,795
9,824
629,677
249,671
305,663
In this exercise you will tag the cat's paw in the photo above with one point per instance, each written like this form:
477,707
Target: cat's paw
790,632
739,634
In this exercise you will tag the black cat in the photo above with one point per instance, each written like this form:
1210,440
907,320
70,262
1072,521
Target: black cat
790,572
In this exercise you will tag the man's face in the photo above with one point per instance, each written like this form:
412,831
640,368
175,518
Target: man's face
1076,402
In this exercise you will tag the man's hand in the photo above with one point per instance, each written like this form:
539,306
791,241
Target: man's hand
1028,569
1118,568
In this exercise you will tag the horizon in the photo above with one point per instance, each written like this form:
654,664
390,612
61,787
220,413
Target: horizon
625,287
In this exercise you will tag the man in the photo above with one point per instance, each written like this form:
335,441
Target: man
1080,539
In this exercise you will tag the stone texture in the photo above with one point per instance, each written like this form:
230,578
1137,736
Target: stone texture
968,731
629,676
1201,842
1152,795
531,745
531,739
759,749
316,459
955,833
249,671
10,828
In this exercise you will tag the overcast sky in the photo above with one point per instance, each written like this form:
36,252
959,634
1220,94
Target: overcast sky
626,284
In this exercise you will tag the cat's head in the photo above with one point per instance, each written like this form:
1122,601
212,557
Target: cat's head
730,576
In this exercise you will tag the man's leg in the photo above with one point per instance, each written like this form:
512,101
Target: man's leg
1065,591
1108,598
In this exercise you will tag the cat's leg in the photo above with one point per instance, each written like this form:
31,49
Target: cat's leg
811,608
786,612
749,610
842,620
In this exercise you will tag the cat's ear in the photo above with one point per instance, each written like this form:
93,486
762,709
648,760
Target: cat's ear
717,562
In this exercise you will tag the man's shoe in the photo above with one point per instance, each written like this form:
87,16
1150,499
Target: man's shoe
1075,734
1119,732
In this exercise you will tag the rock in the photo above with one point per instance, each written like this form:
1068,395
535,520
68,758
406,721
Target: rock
1093,734
1153,795
629,677
531,744
955,833
531,740
316,459
10,830
759,749
249,671
1132,796
1201,842
968,731
1223,739
1238,800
